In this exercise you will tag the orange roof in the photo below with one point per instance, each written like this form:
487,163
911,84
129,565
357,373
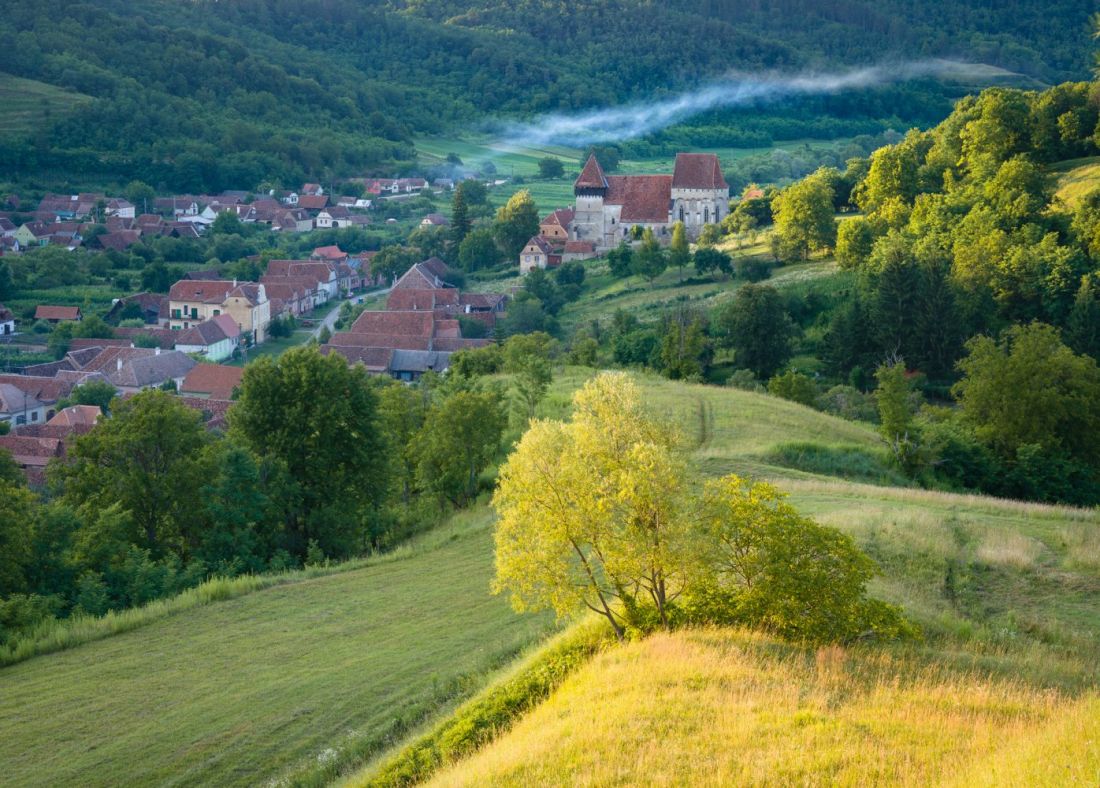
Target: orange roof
644,198
591,176
414,323
57,313
698,171
215,380
208,291
76,416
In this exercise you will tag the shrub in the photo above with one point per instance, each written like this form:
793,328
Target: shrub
745,380
794,386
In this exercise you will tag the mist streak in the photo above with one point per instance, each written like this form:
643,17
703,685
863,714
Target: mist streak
637,120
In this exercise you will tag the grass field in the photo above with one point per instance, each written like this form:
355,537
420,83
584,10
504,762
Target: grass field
725,707
1075,179
240,691
1004,593
27,105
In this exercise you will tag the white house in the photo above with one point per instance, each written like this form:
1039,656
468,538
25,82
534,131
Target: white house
215,339
7,321
18,407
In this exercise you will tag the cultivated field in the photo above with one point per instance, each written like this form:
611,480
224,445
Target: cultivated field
240,691
26,105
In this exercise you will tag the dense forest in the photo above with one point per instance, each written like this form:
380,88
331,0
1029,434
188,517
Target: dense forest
203,96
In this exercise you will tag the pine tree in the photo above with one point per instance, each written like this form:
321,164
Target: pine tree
679,253
460,217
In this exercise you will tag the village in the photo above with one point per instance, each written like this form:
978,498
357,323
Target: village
186,339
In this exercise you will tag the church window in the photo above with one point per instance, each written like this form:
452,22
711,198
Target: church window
681,213
706,215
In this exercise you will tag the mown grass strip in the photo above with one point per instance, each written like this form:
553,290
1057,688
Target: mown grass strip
482,719
60,634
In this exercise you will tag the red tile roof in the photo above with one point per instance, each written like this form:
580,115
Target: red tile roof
215,380
380,340
203,291
698,171
76,416
644,198
375,359
591,176
57,313
405,323
562,217
312,202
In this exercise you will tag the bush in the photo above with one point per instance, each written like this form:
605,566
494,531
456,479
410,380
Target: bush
744,379
752,269
794,386
849,403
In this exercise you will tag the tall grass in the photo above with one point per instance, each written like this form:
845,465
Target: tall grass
723,707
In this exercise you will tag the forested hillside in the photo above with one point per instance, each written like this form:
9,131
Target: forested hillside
207,95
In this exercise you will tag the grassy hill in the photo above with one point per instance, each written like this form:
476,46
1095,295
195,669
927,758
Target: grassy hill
334,669
1003,591
726,707
240,691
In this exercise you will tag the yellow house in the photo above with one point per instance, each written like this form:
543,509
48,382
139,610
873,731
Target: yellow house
192,302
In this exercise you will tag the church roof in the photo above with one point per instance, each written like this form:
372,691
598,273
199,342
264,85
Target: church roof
698,171
644,198
591,176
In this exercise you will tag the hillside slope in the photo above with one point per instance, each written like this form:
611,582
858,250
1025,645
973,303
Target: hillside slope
725,707
238,692
1003,591
209,95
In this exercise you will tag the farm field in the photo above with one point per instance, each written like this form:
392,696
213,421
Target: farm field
26,104
240,691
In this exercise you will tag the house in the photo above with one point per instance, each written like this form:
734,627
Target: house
134,369
124,209
150,307
7,321
76,416
212,381
191,302
435,220
58,314
410,365
295,220
410,185
119,241
537,253
323,275
164,338
333,216
312,190
32,454
608,206
557,225
180,205
578,250
33,234
19,407
216,339
46,389
312,202
330,254
7,227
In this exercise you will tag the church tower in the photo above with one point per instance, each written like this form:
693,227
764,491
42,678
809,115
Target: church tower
590,189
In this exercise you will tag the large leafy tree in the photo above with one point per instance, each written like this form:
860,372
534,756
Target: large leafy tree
804,218
759,329
317,416
146,459
516,221
649,260
679,252
1027,388
460,436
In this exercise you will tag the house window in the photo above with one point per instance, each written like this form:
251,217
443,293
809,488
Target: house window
217,312
34,415
175,313
20,419
194,313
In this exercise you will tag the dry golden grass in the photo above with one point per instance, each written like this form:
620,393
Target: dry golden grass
723,707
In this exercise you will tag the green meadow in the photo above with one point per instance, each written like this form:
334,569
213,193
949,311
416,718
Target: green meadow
26,105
